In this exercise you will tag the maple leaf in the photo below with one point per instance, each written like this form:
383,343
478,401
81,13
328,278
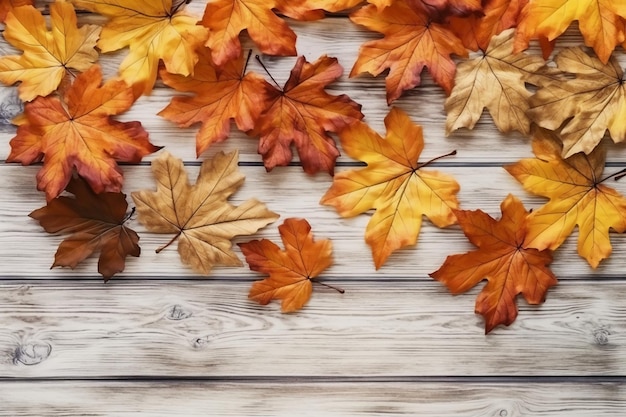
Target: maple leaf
48,55
153,31
586,106
444,7
412,41
227,18
77,131
509,267
290,271
578,196
95,223
476,30
302,112
7,5
599,21
199,215
220,95
393,183
496,81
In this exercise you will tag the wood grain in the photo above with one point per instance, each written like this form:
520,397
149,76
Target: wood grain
209,329
291,193
329,399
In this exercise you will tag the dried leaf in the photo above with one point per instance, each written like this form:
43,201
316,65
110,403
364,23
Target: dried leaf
496,81
303,113
219,96
586,105
95,223
199,215
290,270
153,31
412,41
509,267
7,5
578,196
393,183
48,54
77,131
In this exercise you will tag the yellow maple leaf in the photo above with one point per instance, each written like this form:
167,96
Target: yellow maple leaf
48,55
393,183
153,31
578,196
600,22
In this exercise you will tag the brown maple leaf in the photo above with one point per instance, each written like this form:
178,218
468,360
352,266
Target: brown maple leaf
199,215
290,271
497,81
48,55
303,113
584,106
601,23
477,29
412,41
509,267
227,18
153,31
578,196
219,96
77,131
394,184
95,222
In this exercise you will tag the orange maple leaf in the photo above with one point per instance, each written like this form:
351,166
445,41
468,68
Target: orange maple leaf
290,271
393,183
509,267
303,112
412,41
219,96
6,5
578,196
476,30
153,31
77,131
227,18
600,22
446,7
96,223
48,55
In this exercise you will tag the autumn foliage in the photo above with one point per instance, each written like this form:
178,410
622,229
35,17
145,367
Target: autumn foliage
474,52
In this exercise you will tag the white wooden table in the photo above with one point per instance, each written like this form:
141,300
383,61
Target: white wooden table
158,340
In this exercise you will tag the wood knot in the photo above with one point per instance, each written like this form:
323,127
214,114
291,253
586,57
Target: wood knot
601,336
201,342
503,413
32,353
178,312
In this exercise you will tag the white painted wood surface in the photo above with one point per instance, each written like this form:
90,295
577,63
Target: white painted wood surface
161,341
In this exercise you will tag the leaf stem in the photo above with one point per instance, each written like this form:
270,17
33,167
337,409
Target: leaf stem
423,164
129,215
243,72
172,240
617,175
339,290
258,58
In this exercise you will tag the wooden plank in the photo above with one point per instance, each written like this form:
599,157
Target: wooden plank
193,398
291,193
208,329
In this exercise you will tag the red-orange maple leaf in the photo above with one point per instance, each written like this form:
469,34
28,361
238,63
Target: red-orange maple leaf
6,5
290,271
77,131
95,222
502,259
303,113
412,41
227,18
220,95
